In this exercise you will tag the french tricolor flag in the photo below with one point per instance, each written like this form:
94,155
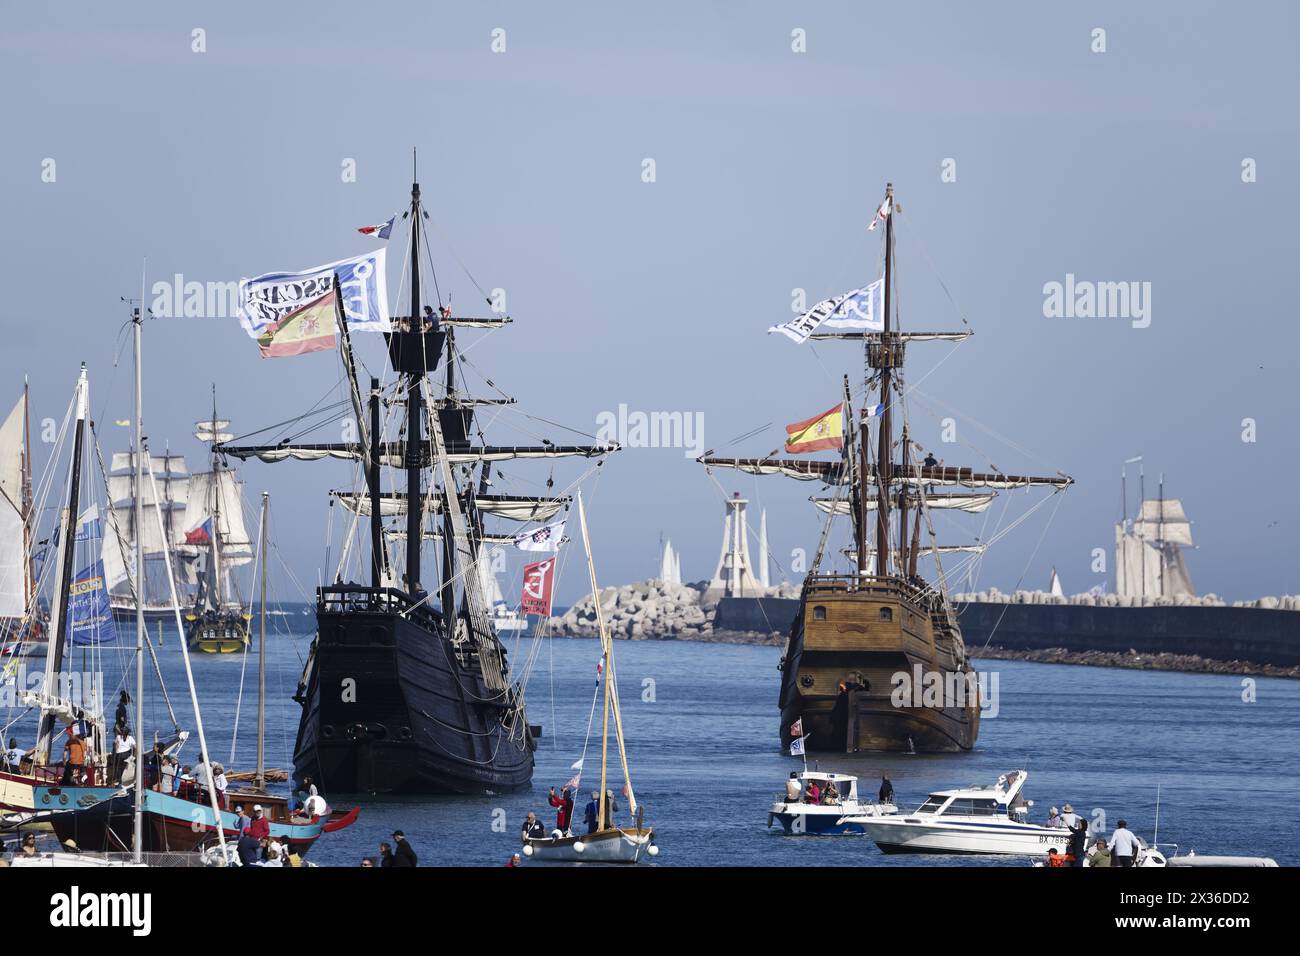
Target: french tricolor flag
382,231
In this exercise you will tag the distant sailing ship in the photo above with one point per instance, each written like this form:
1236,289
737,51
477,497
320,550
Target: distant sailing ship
408,690
855,633
216,543
22,619
172,479
1149,560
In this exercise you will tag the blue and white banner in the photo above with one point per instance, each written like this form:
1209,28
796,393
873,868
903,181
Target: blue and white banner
90,616
861,309
271,297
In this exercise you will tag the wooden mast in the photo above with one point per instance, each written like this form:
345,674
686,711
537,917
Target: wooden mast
604,648
259,780
884,465
372,479
414,411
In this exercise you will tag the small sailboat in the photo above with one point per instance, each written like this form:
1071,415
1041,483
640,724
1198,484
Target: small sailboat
22,620
609,842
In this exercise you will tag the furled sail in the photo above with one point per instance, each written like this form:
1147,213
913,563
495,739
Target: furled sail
859,335
512,507
392,453
161,465
969,503
833,473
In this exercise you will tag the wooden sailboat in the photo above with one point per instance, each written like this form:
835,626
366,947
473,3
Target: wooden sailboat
608,843
857,632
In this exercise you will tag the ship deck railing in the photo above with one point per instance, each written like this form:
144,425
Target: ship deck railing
885,588
360,599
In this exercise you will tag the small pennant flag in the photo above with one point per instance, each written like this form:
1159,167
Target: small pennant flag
381,231
796,729
796,747
873,411
124,422
882,214
312,328
817,433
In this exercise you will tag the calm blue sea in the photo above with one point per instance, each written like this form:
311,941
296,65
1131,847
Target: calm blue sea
702,728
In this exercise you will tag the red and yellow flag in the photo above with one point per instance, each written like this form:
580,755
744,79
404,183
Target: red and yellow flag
817,433
312,328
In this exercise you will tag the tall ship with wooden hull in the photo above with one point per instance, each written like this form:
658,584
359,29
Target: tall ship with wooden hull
875,659
408,689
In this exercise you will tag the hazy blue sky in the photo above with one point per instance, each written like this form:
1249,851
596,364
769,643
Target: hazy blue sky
1117,166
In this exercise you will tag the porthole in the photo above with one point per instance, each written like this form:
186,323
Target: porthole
886,613
819,613
327,731
806,680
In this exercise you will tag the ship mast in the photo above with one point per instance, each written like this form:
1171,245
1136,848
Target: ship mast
884,454
414,409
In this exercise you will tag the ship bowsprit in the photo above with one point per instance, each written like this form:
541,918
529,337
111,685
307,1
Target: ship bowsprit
391,707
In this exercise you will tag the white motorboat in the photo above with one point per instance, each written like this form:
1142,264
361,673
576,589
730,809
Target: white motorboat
828,816
980,820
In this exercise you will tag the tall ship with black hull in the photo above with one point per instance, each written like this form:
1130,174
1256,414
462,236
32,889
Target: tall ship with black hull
408,689
857,631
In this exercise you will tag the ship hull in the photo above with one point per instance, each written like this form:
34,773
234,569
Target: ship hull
389,707
876,667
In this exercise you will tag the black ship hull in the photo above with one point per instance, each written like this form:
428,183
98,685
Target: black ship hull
389,706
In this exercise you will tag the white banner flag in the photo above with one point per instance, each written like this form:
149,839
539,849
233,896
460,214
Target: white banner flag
861,309
796,747
545,538
851,310
269,298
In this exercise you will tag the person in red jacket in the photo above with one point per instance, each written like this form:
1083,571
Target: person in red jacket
259,826
564,809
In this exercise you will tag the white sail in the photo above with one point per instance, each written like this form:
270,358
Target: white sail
1163,520
173,491
487,578
161,465
13,550
221,494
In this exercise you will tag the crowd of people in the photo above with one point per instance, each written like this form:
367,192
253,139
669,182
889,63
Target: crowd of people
1121,850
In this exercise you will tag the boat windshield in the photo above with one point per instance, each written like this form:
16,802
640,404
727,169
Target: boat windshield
932,805
972,808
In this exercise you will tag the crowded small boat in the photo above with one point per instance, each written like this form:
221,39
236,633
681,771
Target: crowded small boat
818,802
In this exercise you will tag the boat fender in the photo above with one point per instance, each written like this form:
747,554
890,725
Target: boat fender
579,847
528,849
653,850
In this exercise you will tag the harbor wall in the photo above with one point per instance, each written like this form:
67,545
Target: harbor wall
1254,634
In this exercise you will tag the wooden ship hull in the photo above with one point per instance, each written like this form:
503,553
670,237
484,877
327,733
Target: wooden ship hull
417,717
849,645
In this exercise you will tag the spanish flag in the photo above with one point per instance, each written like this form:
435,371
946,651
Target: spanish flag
312,328
817,433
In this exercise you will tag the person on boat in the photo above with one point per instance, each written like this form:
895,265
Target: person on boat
29,845
185,783
171,771
403,855
532,828
793,790
814,792
241,820
367,862
1099,855
314,805
13,757
591,814
153,761
831,795
291,857
259,826
886,794
249,849
563,809
1057,859
1054,818
514,860
611,808
219,784
74,757
1123,845
930,461
386,855
1069,818
123,748
1078,841
120,718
